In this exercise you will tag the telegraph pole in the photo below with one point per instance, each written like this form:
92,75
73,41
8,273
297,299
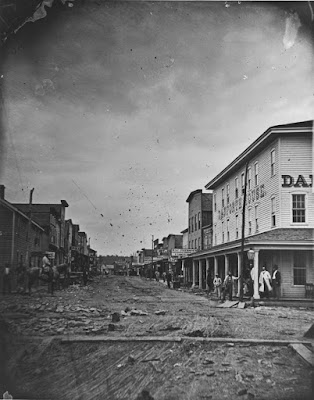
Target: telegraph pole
29,226
243,234
152,254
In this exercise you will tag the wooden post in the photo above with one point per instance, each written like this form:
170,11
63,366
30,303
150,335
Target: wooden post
243,234
27,260
152,270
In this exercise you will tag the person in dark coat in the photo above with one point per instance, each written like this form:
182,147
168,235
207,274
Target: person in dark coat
276,281
209,283
169,279
228,284
85,276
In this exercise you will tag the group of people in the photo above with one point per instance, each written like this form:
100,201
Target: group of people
224,288
267,284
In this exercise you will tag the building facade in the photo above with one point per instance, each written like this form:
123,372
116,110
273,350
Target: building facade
22,240
52,218
269,187
200,215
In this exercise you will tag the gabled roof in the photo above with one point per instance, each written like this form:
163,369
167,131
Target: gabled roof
8,205
261,142
43,208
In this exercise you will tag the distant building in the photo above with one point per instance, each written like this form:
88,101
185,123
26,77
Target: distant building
200,215
185,238
52,218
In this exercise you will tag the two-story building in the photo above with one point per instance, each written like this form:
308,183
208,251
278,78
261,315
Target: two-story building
52,218
278,214
22,240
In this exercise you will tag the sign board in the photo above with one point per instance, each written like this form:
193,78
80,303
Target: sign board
179,253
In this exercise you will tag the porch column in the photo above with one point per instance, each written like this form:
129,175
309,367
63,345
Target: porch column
239,271
194,273
200,274
226,264
184,271
255,275
207,271
216,265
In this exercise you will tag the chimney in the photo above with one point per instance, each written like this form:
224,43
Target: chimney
2,190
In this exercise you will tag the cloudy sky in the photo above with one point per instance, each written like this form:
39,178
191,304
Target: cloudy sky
124,108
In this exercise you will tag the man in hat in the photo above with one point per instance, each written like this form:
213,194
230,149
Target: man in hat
276,281
217,285
228,284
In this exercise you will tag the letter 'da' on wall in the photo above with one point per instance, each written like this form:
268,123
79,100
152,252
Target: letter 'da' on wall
289,181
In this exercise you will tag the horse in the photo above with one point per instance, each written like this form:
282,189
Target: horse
53,276
61,273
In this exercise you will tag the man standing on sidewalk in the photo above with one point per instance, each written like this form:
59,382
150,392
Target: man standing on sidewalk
228,284
276,281
217,285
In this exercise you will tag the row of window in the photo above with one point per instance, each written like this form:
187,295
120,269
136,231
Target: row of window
298,216
249,181
195,244
195,222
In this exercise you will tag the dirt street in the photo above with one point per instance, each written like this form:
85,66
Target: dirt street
37,365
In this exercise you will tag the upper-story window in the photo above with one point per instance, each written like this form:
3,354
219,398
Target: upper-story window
237,226
256,218
195,222
228,232
223,233
215,203
249,178
192,225
250,220
228,193
272,162
298,208
256,174
236,185
199,243
199,220
273,211
242,180
223,197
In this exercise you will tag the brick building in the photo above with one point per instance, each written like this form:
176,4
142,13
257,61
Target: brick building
200,215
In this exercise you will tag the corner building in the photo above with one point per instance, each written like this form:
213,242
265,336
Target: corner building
279,209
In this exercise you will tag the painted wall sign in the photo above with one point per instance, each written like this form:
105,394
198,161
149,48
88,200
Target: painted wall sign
236,205
300,181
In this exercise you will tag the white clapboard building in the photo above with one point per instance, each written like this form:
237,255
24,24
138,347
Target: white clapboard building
279,210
